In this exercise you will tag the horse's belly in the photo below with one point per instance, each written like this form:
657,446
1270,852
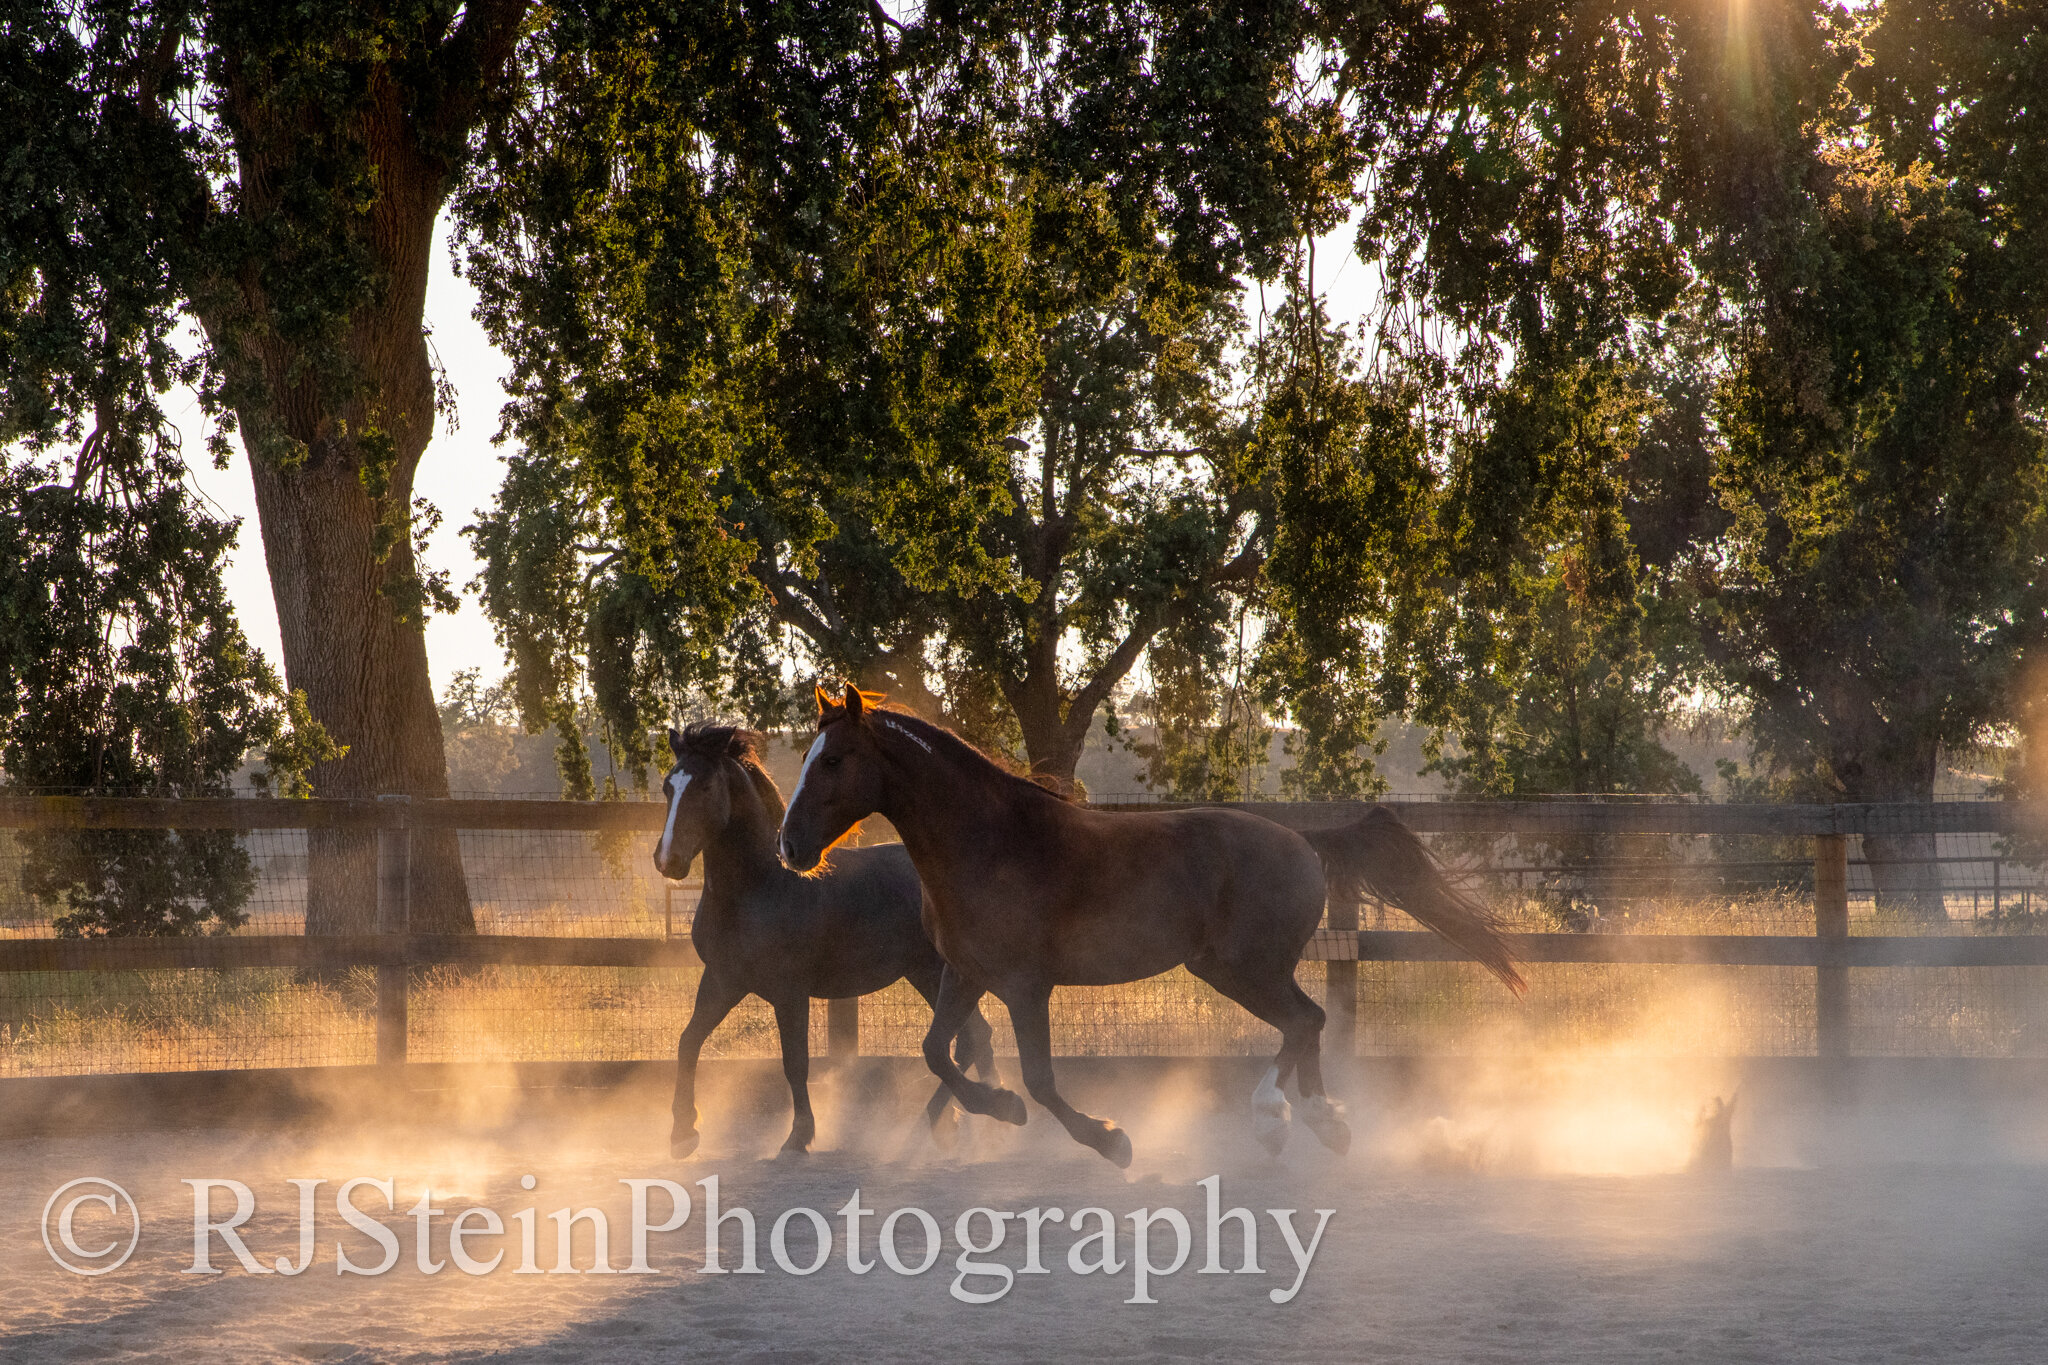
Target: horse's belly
1102,950
996,953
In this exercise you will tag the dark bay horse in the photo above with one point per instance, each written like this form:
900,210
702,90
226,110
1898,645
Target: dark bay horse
1025,891
762,929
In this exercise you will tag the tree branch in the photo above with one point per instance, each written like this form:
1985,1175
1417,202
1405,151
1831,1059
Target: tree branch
473,58
789,607
1081,710
1243,566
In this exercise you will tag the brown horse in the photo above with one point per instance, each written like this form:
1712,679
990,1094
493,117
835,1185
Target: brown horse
1024,891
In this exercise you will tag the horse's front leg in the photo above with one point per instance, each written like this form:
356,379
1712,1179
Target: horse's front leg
956,1002
793,1024
1031,1017
975,1047
716,998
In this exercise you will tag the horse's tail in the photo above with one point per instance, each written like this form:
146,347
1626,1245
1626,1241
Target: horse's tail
1378,854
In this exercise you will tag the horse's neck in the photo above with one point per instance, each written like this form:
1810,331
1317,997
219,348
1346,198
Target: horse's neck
742,856
951,815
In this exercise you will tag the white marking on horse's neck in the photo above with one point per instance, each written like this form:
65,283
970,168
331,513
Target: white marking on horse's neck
668,831
919,740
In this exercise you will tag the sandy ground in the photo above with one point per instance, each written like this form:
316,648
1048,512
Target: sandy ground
1466,1230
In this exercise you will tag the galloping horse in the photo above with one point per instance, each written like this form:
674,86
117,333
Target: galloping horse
1025,891
765,930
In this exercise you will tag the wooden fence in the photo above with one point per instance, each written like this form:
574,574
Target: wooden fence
1830,950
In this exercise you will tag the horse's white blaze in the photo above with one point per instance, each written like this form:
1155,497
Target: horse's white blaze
802,773
668,831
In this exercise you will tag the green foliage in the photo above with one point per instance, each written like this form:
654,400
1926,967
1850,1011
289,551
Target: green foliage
122,672
1462,487
885,350
1344,451
1208,741
1707,363
240,197
301,744
1564,659
688,265
1885,463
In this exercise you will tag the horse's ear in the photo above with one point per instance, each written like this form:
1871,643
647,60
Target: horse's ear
826,701
855,702
675,741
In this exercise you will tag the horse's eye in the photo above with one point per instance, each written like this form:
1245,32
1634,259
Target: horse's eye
833,761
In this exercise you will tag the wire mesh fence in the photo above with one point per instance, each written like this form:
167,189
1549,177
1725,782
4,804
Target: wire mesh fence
575,883
601,884
570,883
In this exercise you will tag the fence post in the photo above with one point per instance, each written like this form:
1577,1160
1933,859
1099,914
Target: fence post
842,1027
1831,926
1340,986
394,910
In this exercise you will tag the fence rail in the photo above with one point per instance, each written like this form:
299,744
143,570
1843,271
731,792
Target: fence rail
234,952
1424,817
1830,949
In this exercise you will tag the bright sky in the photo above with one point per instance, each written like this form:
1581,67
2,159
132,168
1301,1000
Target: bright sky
461,471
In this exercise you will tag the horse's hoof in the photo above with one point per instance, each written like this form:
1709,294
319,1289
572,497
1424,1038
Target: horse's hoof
1333,1133
794,1148
1324,1118
682,1145
946,1129
1116,1147
1008,1106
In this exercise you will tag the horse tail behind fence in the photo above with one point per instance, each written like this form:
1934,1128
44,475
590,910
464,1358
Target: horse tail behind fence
1378,854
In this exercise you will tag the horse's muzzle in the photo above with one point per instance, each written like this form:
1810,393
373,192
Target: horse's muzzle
794,857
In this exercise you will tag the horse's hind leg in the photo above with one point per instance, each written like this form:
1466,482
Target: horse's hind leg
1031,1017
956,1002
716,997
793,1024
1271,992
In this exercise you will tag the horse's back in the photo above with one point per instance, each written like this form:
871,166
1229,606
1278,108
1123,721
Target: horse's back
871,889
1212,839
880,870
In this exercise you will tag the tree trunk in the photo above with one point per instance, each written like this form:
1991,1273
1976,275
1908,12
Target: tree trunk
1053,740
364,671
1903,871
1055,726
350,620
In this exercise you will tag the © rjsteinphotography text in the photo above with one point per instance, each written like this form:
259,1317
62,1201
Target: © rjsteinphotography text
1149,1244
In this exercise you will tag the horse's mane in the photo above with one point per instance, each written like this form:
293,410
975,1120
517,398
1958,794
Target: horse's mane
704,739
938,737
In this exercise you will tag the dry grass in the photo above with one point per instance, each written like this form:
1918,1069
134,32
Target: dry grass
70,1023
